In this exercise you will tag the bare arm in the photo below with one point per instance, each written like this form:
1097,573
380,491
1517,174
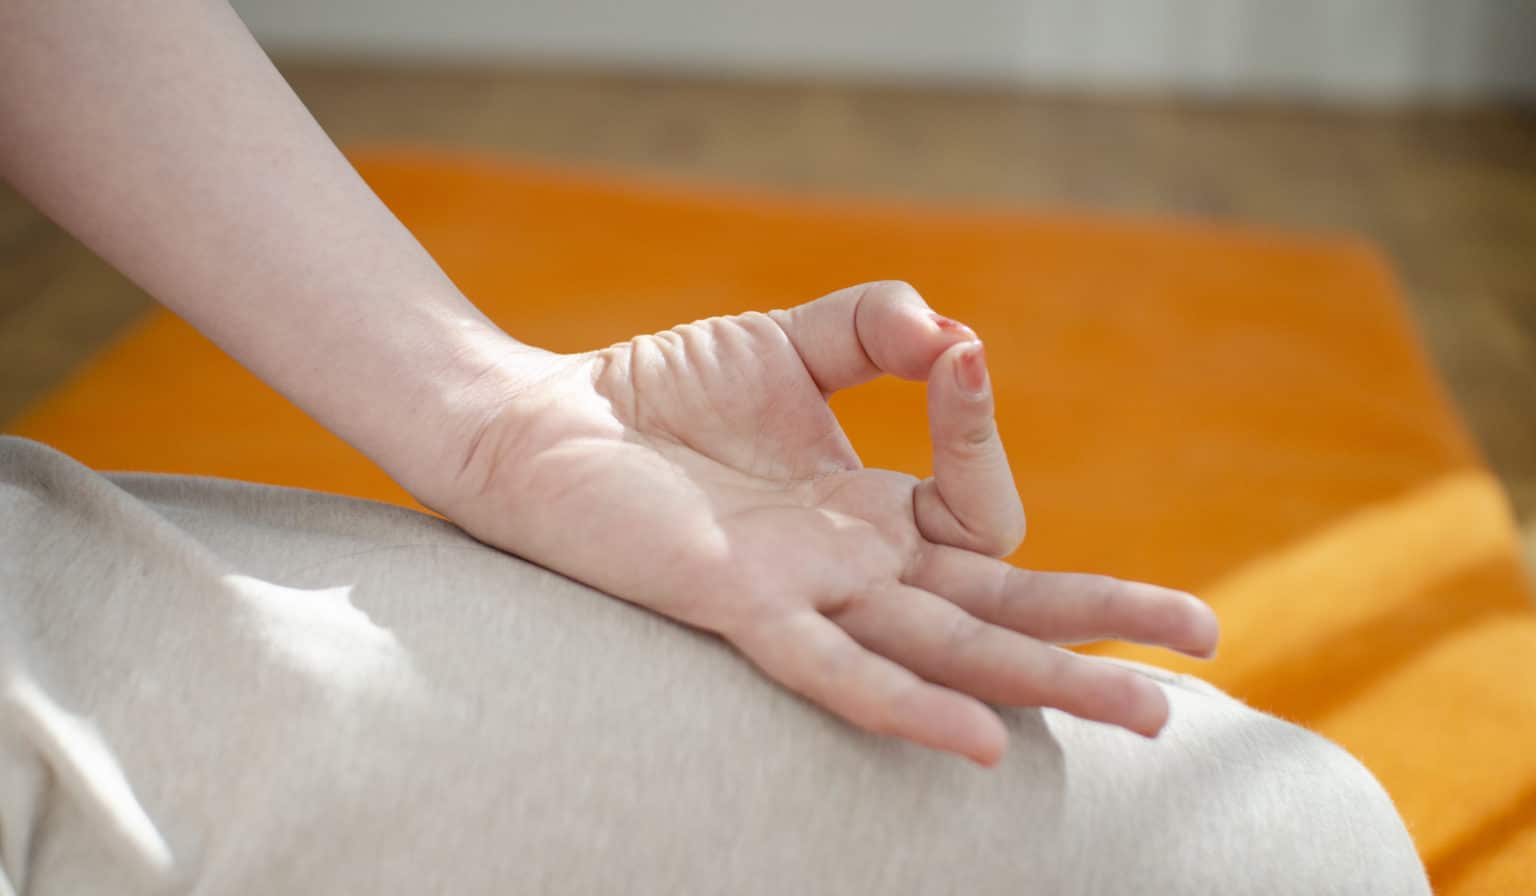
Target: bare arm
163,138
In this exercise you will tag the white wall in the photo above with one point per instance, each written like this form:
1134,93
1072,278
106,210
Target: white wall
1344,48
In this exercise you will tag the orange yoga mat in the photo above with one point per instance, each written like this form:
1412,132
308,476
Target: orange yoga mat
1248,415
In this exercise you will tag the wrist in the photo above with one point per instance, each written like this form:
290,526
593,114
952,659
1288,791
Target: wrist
477,382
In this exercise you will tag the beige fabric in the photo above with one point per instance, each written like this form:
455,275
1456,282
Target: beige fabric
213,687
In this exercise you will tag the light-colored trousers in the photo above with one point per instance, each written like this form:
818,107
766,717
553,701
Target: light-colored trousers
213,687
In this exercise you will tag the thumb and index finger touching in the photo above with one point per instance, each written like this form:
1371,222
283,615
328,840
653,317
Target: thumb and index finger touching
856,334
970,503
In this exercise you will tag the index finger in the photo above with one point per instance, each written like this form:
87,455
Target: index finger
971,501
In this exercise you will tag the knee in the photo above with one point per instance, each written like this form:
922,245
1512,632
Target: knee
1299,812
1347,822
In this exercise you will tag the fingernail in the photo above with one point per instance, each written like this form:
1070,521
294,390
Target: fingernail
949,325
973,369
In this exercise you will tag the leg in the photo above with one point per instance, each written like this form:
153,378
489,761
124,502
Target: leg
235,689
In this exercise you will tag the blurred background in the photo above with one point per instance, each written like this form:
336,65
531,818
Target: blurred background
1406,122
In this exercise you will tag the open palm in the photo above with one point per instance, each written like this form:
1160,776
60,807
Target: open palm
700,472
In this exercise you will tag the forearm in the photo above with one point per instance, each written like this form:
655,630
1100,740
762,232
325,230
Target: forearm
163,138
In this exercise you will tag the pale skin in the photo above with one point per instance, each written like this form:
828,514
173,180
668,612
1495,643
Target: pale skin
698,471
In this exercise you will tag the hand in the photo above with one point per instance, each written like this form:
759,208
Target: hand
700,472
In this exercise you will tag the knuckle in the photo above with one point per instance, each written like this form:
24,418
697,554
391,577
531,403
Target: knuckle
1012,530
1057,672
998,538
1105,592
877,720
1122,693
891,292
754,322
750,620
886,716
980,435
1012,589
1001,533
875,715
975,443
1004,540
963,632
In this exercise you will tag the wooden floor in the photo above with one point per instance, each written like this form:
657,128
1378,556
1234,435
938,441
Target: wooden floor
1449,193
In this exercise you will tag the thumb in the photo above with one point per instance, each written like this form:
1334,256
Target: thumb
853,335
970,501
